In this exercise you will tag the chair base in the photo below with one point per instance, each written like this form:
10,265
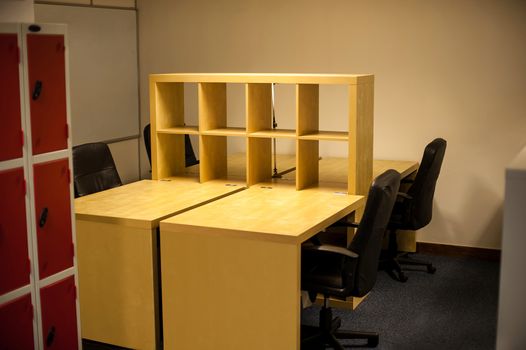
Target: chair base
394,260
393,266
328,333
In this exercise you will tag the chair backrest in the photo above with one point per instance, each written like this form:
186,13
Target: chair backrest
367,241
189,154
93,169
147,142
419,210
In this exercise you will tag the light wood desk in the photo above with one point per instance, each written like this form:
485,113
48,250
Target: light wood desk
117,252
333,174
231,269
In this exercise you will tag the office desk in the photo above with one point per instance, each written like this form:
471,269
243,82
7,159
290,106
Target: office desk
117,252
231,268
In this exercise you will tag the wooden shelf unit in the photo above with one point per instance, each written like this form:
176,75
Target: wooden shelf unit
168,126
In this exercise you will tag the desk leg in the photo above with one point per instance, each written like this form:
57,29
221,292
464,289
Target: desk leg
229,293
117,284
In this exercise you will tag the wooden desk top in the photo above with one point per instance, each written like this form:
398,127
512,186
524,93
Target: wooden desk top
273,212
145,203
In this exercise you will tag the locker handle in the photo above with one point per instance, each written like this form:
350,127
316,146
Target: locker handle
37,90
50,336
43,217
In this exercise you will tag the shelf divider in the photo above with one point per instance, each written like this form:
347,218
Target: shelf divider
274,133
326,135
361,102
307,121
226,132
190,130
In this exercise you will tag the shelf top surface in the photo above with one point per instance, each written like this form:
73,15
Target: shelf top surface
144,203
270,211
263,78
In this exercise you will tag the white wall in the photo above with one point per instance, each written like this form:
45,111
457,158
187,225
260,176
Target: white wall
103,77
452,68
512,306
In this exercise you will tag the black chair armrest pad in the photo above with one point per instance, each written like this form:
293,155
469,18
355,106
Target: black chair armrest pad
345,224
404,195
331,249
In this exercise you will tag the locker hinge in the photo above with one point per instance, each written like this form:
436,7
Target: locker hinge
18,54
25,187
67,131
72,249
69,175
22,138
29,265
32,310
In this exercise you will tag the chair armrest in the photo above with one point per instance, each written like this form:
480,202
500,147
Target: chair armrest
331,249
345,224
407,181
404,195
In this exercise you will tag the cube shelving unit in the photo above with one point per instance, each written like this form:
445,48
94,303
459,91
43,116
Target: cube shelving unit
167,115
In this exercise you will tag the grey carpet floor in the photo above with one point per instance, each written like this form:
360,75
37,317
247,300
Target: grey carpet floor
456,308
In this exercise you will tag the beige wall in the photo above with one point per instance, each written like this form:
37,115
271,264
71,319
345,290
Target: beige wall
454,69
17,11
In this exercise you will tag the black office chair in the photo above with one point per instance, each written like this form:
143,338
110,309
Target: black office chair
341,272
189,154
414,208
93,169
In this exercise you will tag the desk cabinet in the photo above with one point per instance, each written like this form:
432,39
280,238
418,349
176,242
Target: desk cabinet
38,303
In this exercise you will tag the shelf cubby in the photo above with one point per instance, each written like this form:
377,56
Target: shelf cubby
259,113
213,111
222,102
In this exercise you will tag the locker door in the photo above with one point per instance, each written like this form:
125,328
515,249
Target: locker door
11,140
14,257
47,92
53,216
59,315
16,324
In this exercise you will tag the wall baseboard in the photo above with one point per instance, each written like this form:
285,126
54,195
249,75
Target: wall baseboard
458,251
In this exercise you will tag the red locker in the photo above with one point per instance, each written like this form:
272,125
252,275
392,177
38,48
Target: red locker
47,92
59,315
11,140
16,324
53,216
14,257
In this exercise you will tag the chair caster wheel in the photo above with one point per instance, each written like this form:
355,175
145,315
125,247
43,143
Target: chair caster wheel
402,277
372,342
431,269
